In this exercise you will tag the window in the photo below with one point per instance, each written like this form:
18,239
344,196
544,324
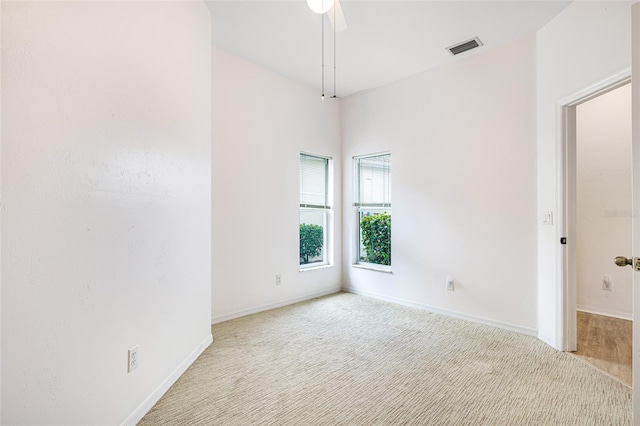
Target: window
315,211
373,210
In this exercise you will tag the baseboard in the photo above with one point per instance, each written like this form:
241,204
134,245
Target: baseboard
446,312
548,340
606,313
155,396
254,310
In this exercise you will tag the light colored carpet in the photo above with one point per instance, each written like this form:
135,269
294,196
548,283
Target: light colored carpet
352,360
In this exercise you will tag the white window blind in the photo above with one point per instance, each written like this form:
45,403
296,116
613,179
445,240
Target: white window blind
374,181
313,181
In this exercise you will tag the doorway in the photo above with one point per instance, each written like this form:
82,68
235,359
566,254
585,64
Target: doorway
604,213
597,219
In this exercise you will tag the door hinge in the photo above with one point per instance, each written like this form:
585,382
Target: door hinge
563,240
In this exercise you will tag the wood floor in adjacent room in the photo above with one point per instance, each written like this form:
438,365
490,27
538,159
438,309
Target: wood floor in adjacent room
606,343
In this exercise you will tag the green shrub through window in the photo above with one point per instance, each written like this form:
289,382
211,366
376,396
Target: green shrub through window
311,242
375,236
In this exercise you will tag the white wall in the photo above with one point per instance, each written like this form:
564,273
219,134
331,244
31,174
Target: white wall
1,215
635,111
106,205
261,121
462,142
585,43
604,202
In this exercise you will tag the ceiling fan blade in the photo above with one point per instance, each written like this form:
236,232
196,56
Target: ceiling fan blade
336,16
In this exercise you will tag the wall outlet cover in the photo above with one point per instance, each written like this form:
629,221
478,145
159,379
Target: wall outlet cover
133,359
450,285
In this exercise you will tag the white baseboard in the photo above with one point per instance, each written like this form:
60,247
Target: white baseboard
254,310
155,396
548,340
606,312
446,312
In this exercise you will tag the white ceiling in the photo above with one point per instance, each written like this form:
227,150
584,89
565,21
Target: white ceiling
385,40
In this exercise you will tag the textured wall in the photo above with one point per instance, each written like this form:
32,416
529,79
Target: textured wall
106,204
261,122
602,29
462,142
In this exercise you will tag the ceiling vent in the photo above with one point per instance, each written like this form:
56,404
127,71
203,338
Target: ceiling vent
456,49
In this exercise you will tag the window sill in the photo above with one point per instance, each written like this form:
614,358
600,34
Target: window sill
315,268
373,268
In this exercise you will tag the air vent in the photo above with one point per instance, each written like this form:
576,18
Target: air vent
456,49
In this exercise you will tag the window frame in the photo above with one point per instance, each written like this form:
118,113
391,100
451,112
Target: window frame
360,207
327,212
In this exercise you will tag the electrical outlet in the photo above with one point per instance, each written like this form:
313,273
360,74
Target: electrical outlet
278,279
133,359
450,284
606,283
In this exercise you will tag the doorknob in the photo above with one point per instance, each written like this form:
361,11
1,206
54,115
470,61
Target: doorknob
623,261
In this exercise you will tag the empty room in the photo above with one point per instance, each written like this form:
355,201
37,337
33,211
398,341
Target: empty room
333,212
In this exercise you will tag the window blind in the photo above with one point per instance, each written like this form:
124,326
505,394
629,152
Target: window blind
313,181
374,181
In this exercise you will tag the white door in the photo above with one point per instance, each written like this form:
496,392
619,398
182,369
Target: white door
635,67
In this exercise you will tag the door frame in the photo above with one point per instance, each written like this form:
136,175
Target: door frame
567,302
